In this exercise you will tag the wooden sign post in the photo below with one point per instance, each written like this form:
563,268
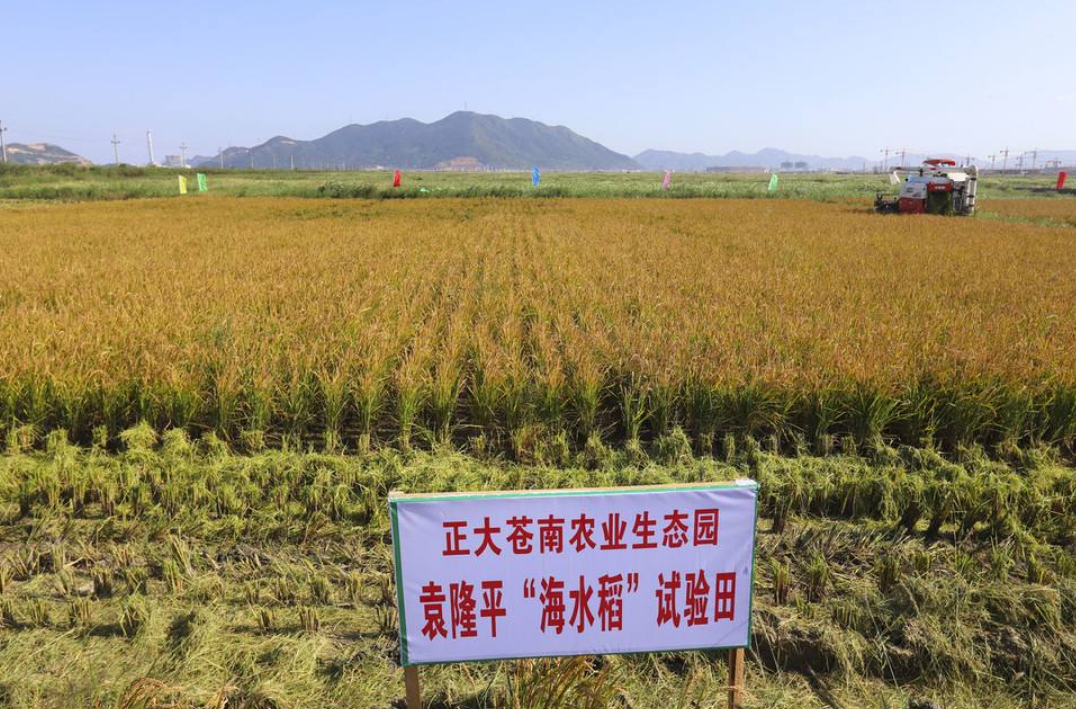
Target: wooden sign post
414,694
556,573
736,660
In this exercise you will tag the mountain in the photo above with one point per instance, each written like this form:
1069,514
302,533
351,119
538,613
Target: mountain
42,154
462,140
1065,157
771,158
768,158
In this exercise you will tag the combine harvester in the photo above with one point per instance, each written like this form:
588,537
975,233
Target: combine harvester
938,187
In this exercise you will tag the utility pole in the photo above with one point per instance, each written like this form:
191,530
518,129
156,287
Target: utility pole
220,153
252,161
992,158
149,145
1034,157
903,151
292,163
967,160
3,149
183,155
1020,163
885,162
116,148
274,161
1005,159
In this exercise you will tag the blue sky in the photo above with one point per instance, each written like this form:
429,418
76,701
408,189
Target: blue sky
833,77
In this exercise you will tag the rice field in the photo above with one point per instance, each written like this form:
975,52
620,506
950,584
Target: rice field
345,323
1055,212
172,574
204,404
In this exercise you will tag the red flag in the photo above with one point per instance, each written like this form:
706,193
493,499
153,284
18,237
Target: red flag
396,179
1061,180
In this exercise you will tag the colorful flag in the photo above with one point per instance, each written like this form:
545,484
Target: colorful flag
1061,176
203,184
396,179
667,180
773,182
536,176
182,184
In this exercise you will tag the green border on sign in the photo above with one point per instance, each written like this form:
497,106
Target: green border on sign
399,575
395,497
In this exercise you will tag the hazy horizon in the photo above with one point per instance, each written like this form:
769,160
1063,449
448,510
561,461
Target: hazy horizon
829,78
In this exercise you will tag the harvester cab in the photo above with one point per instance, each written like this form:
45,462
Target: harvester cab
938,187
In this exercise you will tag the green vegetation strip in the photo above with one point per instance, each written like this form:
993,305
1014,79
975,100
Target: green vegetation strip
180,574
74,183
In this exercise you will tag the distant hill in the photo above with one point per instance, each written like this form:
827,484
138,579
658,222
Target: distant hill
462,140
769,158
42,154
1044,158
1065,157
772,158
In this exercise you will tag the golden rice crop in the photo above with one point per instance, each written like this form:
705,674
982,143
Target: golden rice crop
613,318
1059,211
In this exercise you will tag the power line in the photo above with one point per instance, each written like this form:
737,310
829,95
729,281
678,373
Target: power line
1005,162
183,155
116,148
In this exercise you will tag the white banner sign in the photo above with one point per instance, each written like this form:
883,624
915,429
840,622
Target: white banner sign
573,572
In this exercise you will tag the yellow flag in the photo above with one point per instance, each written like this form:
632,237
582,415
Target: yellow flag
182,184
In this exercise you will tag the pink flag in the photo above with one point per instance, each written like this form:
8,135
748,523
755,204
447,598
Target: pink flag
667,180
